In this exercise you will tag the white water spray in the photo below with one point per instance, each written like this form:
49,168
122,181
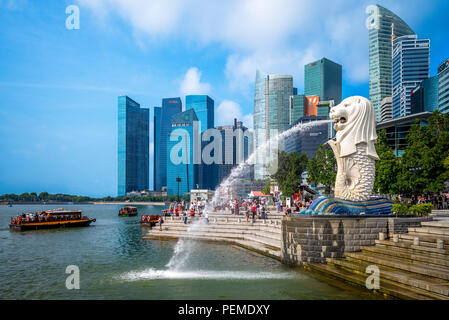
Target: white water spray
184,247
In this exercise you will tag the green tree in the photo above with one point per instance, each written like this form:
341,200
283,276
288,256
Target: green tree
388,167
423,168
266,189
322,169
290,167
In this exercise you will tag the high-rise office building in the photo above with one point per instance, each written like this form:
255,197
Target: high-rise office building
170,107
308,141
410,66
380,53
271,115
235,150
443,87
323,78
133,146
386,111
425,96
204,109
156,140
297,107
180,149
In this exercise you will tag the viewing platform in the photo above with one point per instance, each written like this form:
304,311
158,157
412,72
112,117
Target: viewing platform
262,235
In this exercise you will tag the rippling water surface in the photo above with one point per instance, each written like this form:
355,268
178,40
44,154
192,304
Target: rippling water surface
115,263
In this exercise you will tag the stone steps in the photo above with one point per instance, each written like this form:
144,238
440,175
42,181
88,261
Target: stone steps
386,287
439,231
399,263
408,244
424,237
435,259
436,224
435,288
248,244
273,233
222,232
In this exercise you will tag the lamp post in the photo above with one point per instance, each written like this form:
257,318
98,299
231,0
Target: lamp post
178,180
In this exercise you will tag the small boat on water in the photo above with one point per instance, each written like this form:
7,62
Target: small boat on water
150,220
56,218
127,212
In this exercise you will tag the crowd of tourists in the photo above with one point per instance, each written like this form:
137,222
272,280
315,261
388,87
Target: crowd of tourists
439,201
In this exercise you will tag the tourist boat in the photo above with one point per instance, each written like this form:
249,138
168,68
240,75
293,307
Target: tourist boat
150,220
56,218
127,212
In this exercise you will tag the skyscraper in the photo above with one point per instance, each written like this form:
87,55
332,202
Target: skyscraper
235,150
170,107
386,111
425,96
443,87
156,140
380,52
323,78
271,105
133,146
296,107
180,148
204,109
411,65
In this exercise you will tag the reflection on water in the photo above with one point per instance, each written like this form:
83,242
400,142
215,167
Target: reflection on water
115,263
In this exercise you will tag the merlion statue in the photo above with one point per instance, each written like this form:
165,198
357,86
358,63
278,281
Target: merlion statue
354,148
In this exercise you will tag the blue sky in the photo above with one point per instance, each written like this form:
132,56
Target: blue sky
59,87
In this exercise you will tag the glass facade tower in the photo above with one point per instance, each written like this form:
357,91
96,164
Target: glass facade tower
425,96
271,115
297,107
323,78
380,53
180,146
170,107
411,65
204,109
133,146
443,87
156,140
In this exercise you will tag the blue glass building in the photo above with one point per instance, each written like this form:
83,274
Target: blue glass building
271,115
133,146
380,34
411,65
204,109
425,96
180,144
156,140
170,107
443,87
323,78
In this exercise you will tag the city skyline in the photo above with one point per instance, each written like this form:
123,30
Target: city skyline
61,131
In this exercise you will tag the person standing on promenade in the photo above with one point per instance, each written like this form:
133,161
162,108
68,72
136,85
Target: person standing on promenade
160,223
185,217
206,217
236,207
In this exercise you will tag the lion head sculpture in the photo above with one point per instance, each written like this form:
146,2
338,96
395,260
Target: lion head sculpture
355,123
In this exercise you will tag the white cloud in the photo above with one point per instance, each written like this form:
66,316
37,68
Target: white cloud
227,110
275,36
191,84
